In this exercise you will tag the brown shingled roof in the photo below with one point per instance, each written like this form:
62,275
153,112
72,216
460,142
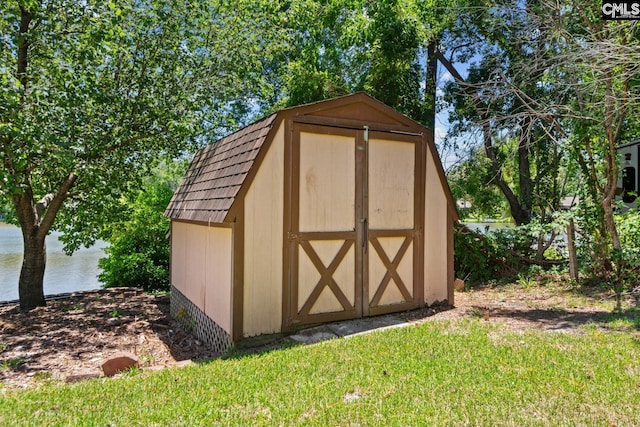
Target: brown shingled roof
216,174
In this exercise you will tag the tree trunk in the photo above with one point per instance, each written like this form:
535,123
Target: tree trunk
519,212
524,168
31,285
571,245
610,224
36,219
430,84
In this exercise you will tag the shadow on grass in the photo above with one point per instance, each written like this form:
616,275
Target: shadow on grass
258,346
311,334
559,319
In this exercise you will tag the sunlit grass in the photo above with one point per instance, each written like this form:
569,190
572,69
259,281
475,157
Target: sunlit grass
439,373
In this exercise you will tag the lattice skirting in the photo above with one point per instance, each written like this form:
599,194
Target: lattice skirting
200,325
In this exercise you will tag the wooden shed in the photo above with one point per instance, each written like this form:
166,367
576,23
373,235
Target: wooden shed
328,211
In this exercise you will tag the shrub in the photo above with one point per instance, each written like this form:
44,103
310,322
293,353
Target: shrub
481,257
138,251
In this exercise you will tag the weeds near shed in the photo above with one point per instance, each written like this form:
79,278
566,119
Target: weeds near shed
185,319
43,376
526,280
182,313
479,313
132,371
146,359
12,363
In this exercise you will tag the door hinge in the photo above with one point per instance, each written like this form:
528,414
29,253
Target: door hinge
292,236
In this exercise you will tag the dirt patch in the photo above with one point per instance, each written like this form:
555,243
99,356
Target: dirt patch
550,308
73,335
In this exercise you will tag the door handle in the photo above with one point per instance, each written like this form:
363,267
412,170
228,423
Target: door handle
365,234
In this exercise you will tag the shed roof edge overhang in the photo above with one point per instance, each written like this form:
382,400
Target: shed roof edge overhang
205,223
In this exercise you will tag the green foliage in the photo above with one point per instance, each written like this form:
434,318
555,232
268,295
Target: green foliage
512,154
306,83
552,91
92,93
470,181
626,274
43,376
530,239
10,364
481,257
521,251
310,61
621,272
393,74
138,253
629,228
526,280
335,47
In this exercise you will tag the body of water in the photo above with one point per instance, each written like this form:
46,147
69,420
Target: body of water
63,273
487,226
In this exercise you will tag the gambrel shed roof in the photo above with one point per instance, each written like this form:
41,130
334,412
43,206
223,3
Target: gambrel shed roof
216,174
218,171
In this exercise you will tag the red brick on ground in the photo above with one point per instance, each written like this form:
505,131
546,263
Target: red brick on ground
119,362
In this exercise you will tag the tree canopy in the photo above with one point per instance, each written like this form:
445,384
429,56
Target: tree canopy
554,88
93,92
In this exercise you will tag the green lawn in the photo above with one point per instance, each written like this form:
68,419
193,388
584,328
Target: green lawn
440,373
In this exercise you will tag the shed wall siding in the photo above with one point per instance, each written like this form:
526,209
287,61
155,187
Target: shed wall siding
435,236
201,266
263,207
219,277
178,256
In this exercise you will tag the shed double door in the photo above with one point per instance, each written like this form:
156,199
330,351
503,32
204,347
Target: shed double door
353,232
